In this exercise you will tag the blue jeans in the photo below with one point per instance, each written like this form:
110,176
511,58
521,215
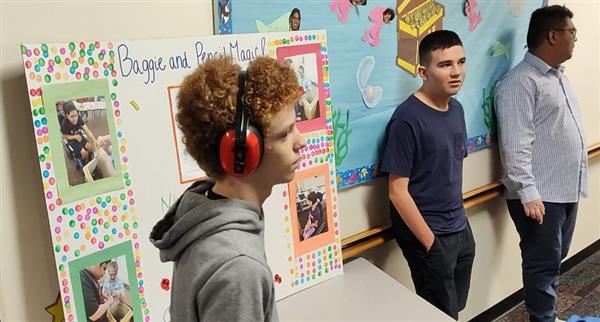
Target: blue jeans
543,247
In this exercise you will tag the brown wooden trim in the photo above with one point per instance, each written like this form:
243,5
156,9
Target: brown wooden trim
354,245
483,197
594,153
473,193
357,237
371,242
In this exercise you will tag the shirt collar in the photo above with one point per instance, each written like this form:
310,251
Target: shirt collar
541,65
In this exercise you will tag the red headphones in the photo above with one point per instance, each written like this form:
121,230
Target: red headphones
241,147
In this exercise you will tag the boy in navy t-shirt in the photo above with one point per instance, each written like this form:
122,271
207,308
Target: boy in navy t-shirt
423,155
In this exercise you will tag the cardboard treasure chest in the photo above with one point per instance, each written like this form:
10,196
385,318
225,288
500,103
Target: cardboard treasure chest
416,19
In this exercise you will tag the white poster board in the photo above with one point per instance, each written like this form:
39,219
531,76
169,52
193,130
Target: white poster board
104,209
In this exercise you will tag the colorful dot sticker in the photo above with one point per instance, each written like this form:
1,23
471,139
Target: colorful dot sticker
316,265
318,149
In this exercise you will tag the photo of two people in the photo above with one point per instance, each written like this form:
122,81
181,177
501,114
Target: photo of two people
106,291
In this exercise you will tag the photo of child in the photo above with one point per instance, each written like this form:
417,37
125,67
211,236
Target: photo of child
305,67
311,207
113,286
106,291
86,139
294,19
315,215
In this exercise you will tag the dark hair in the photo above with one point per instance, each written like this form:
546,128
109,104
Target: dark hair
441,39
295,10
389,11
69,107
543,20
105,262
314,196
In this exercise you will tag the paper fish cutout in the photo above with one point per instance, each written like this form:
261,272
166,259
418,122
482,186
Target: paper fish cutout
371,95
280,24
499,49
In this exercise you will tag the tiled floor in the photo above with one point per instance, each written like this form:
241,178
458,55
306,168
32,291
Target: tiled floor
579,293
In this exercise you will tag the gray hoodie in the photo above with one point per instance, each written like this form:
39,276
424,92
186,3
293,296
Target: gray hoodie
217,246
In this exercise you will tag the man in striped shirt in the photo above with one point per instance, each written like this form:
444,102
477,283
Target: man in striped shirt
543,153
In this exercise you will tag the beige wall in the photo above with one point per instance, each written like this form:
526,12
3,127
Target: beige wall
27,274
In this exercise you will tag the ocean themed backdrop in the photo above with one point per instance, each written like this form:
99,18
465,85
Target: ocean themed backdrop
373,59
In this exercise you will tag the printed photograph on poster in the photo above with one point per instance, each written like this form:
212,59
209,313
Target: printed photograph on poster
113,287
305,61
82,134
311,209
187,166
106,286
305,67
85,138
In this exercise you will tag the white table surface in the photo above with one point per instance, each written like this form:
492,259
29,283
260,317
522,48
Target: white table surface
362,293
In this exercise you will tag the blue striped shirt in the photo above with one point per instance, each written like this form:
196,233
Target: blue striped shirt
542,145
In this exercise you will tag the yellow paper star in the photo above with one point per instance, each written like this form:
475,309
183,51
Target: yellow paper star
56,310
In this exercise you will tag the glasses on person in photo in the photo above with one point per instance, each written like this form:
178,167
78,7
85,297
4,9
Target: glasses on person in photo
572,31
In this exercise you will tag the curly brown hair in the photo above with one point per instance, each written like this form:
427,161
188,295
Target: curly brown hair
207,103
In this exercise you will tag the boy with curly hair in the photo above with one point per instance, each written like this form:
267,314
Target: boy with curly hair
214,231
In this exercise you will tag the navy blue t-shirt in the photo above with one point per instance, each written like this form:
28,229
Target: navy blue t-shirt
428,147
